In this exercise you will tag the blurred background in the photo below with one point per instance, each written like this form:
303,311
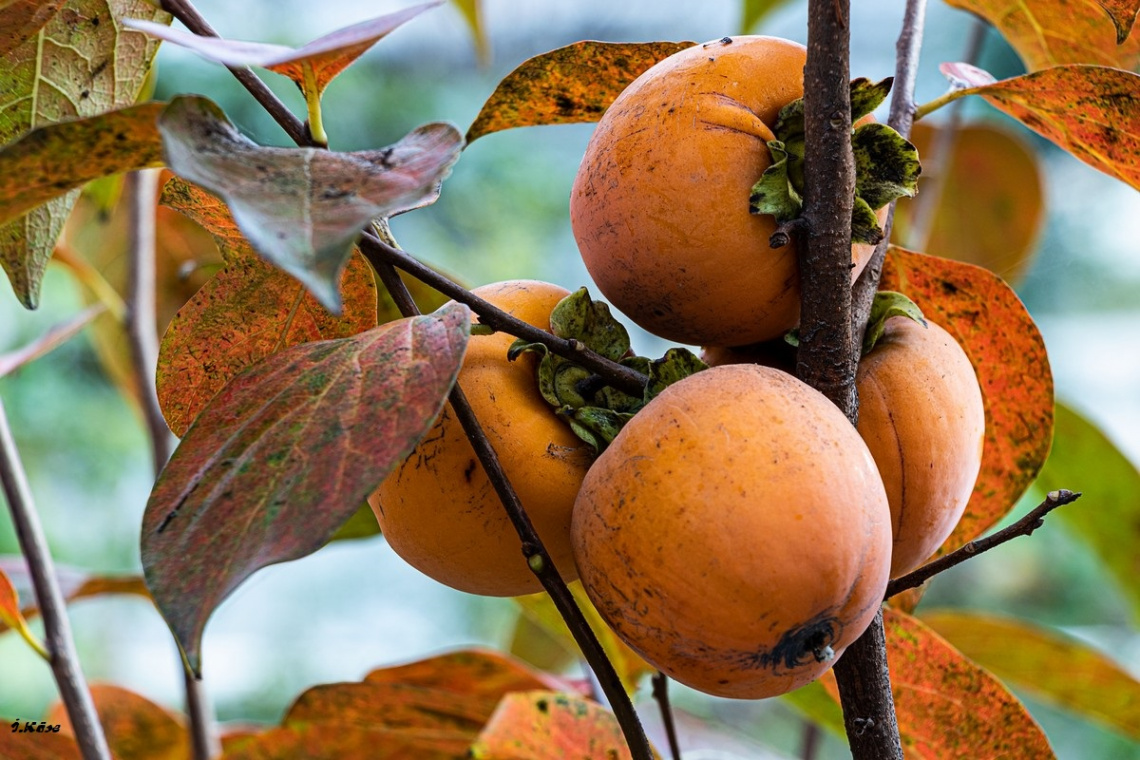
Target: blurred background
354,605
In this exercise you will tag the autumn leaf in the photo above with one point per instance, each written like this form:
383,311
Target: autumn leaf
1123,15
317,742
54,159
135,727
544,725
22,19
246,312
472,672
80,63
74,584
1057,33
572,84
48,342
389,705
1007,352
285,453
1052,667
45,746
987,191
303,208
11,616
1091,111
1108,519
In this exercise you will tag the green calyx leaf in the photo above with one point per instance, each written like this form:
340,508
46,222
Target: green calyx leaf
886,165
590,322
595,425
677,364
864,224
866,95
520,347
887,304
776,193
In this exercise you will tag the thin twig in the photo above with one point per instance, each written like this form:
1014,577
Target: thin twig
661,694
1023,527
140,192
810,746
64,659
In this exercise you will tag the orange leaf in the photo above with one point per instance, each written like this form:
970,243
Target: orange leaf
1091,111
389,705
11,616
1005,347
22,19
989,196
1048,34
543,725
1123,15
74,584
317,742
33,746
473,672
575,83
247,312
135,727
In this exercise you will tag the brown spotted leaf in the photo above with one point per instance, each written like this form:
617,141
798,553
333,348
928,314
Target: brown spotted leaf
1006,350
1048,34
546,725
575,83
15,745
12,617
80,63
473,672
51,160
135,727
989,198
389,705
325,57
285,453
1091,111
303,208
1123,15
1052,667
23,18
246,312
318,742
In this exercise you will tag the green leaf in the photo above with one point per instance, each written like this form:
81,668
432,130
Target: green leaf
866,95
472,11
1108,517
675,365
775,193
886,165
284,455
814,703
887,304
590,322
755,11
864,224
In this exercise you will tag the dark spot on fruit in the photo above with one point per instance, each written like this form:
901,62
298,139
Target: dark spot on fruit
726,40
808,643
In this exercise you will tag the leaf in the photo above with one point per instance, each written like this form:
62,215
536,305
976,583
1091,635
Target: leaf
326,56
1108,519
542,725
22,19
389,705
755,11
887,304
473,672
1123,15
285,453
572,84
1053,668
886,165
247,312
472,12
51,160
135,727
11,616
303,208
362,524
989,196
45,746
1056,33
949,707
1091,111
579,317
814,703
79,64
74,584
1005,347
48,342
316,742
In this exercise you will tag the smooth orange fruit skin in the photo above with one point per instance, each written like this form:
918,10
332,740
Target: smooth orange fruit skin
659,206
921,414
734,525
439,511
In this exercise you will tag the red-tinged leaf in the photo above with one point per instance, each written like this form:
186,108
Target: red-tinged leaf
1048,34
11,616
135,727
74,584
22,19
989,198
317,742
1108,517
303,208
1052,667
472,12
1008,354
326,56
472,672
79,64
285,453
546,725
572,84
247,312
49,341
53,159
1123,15
33,746
390,705
1091,111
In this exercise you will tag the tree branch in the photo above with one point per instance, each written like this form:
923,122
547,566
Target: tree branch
661,694
1023,527
49,598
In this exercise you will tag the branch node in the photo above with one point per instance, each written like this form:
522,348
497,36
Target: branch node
863,725
786,230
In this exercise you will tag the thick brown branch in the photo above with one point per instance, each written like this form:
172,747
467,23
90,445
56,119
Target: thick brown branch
1023,527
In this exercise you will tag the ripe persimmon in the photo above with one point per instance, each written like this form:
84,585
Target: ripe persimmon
660,204
439,511
736,532
921,414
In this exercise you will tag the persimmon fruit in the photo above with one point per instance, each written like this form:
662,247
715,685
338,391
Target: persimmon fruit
439,511
922,417
736,532
660,204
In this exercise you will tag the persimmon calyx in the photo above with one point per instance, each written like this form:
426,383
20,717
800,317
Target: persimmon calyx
886,164
887,304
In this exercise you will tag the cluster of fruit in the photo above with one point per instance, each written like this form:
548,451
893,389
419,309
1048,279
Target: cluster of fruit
737,532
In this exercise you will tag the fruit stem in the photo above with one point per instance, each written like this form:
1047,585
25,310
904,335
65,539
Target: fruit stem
933,105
